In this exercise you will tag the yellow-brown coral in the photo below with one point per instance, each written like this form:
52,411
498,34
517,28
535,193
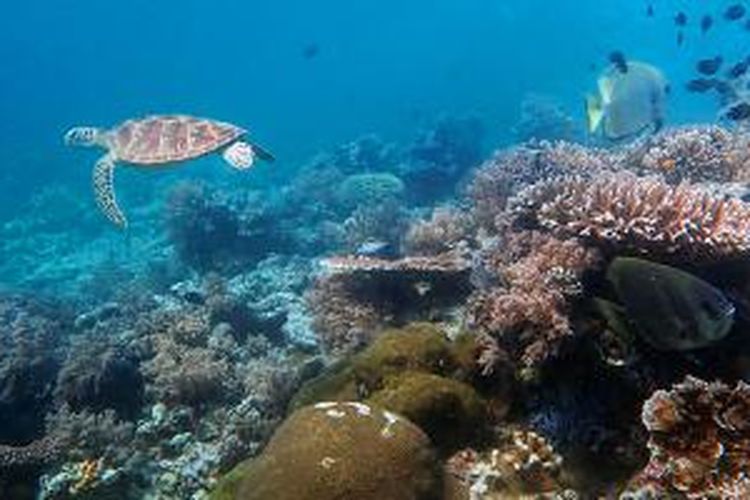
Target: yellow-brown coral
700,441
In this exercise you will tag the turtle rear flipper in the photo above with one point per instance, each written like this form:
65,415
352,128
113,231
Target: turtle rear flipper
104,190
262,153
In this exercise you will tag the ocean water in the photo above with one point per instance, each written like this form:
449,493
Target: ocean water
187,336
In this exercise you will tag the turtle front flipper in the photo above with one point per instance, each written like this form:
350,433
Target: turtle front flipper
104,190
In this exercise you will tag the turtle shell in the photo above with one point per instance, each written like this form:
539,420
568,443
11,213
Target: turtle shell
165,139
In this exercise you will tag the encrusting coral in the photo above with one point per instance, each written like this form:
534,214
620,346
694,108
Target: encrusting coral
700,441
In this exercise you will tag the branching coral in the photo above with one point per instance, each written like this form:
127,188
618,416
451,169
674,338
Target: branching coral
529,312
384,223
443,232
696,154
700,441
96,376
644,215
511,170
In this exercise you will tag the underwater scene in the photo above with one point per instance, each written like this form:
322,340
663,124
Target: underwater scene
425,250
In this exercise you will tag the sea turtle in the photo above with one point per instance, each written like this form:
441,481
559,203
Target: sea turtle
160,140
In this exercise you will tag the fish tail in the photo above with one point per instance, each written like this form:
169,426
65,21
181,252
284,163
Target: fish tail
594,113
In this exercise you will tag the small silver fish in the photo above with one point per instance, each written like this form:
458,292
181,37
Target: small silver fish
670,308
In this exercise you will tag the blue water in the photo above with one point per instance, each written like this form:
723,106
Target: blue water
385,67
304,77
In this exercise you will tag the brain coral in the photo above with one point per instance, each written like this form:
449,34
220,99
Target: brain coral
334,451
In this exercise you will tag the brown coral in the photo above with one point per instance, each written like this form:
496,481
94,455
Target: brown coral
525,463
642,214
359,296
700,441
529,312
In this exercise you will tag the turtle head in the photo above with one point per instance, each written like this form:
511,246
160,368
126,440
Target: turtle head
84,136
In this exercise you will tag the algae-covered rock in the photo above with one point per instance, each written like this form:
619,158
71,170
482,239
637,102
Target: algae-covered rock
334,451
450,412
415,347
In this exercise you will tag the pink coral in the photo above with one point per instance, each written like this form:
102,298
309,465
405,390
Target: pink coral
529,313
626,212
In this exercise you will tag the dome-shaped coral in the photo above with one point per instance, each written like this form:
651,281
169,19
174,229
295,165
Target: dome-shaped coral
339,450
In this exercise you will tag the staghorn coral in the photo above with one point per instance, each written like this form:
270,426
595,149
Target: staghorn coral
529,312
699,441
645,215
446,229
361,295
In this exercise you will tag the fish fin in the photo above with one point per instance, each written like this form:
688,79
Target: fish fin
616,318
606,89
594,113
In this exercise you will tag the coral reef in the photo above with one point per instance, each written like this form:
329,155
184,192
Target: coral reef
339,450
441,156
447,230
698,441
696,154
523,464
361,295
645,215
529,313
543,118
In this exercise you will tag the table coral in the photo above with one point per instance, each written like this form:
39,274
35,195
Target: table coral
361,295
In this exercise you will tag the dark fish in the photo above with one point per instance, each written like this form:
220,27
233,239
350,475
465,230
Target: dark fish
739,69
310,51
738,112
709,66
701,85
618,59
680,19
706,23
650,10
680,38
670,308
734,12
